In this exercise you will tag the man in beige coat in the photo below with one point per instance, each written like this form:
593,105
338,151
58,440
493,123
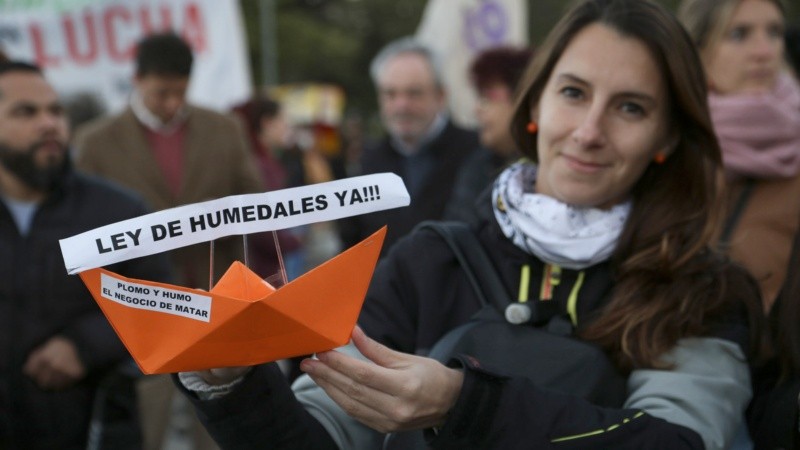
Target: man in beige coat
173,154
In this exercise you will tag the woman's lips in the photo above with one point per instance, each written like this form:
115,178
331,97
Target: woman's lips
582,165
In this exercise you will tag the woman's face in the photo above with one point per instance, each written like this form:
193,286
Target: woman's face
749,54
602,118
494,110
276,134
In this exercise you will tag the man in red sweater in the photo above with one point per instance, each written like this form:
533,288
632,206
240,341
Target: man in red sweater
173,153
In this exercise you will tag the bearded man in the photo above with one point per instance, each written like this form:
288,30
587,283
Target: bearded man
57,351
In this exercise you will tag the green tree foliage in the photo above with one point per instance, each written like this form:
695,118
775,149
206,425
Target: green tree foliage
332,40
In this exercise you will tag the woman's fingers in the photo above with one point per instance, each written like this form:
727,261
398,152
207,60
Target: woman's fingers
358,379
375,408
392,391
355,400
384,374
375,352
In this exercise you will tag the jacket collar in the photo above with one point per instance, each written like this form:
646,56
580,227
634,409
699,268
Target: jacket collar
437,127
153,122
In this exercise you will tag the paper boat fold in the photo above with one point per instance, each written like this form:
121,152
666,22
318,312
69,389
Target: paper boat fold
242,320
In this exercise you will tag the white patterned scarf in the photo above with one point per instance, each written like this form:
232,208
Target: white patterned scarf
555,232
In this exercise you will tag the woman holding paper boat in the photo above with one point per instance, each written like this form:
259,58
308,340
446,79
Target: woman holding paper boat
611,221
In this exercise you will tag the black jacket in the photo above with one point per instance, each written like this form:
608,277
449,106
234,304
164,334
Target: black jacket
429,196
418,293
39,300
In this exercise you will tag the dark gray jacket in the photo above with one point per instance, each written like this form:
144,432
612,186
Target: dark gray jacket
39,300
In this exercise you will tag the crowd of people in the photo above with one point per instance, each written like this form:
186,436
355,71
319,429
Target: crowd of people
636,174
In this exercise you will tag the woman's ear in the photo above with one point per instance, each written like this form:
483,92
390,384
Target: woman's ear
535,113
672,143
664,152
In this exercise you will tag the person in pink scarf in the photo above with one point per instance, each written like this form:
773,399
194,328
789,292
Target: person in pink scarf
755,107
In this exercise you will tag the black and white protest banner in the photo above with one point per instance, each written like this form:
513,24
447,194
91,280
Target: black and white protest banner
236,215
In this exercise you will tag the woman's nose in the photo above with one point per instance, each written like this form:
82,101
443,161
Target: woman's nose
766,47
589,132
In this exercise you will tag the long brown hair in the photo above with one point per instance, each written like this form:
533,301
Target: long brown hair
669,283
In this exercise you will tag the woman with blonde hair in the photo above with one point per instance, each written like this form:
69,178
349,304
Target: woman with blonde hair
755,105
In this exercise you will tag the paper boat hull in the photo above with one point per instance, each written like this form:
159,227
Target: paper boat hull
242,320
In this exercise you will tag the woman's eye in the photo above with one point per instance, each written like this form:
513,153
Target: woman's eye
775,31
571,92
632,109
737,34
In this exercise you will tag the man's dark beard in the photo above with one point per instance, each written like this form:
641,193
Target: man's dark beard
23,166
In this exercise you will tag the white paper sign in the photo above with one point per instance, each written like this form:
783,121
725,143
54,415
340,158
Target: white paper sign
87,46
240,214
143,296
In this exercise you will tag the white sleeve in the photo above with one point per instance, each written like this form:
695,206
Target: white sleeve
204,391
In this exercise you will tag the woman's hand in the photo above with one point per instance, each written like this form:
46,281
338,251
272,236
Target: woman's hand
397,392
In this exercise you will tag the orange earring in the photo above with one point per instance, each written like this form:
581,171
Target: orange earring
532,127
660,158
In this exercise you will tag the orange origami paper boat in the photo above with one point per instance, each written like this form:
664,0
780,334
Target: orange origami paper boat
242,320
